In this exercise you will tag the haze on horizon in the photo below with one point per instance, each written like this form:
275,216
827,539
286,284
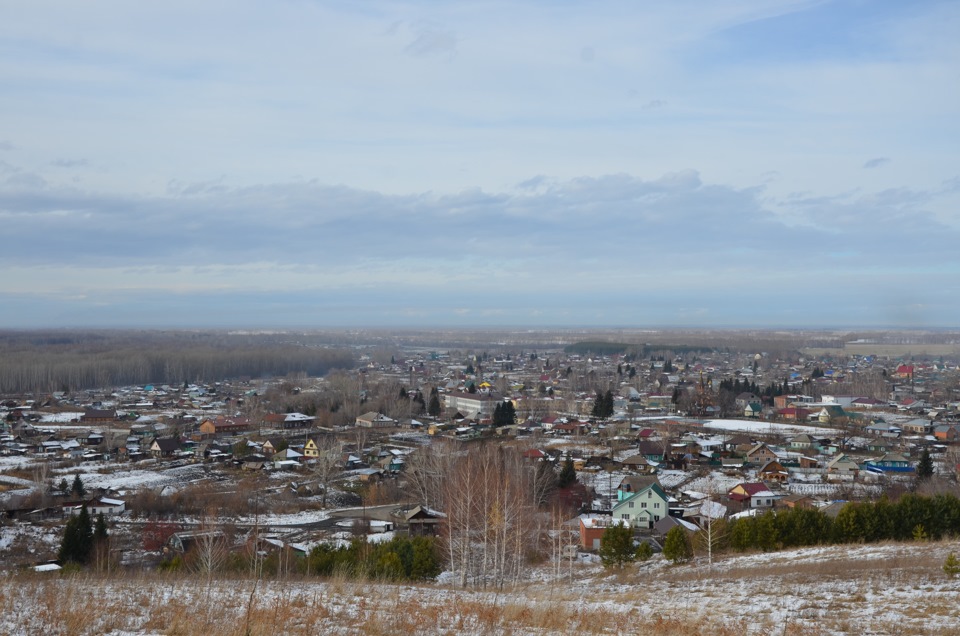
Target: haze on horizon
778,163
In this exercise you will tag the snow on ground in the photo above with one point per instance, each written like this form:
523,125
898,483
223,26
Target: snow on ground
842,590
63,418
754,426
15,463
140,478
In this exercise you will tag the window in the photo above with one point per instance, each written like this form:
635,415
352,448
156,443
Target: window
643,504
630,504
625,516
656,505
656,517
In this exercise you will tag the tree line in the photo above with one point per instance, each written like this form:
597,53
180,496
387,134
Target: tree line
31,362
912,517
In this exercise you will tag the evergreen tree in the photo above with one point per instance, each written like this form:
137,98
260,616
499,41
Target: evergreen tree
568,474
925,466
63,486
676,546
100,529
608,404
434,409
644,551
78,488
951,567
77,542
597,405
616,546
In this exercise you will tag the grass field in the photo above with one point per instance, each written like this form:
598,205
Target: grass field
863,590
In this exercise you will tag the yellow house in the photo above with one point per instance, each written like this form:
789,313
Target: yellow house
310,450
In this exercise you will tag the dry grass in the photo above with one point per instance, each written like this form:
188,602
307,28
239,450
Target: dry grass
896,589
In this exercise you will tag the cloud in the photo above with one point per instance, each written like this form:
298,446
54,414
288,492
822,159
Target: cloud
6,145
876,162
653,104
69,163
431,41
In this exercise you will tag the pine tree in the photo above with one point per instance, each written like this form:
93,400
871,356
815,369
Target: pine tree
644,551
616,546
951,566
677,547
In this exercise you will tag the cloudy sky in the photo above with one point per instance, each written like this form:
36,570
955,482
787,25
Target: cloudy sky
416,163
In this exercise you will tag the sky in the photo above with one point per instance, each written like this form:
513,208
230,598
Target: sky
300,163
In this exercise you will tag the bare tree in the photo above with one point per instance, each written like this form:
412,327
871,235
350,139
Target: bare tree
325,466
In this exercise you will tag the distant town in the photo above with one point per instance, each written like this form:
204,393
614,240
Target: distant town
597,434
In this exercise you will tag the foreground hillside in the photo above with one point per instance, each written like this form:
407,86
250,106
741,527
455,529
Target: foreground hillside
877,589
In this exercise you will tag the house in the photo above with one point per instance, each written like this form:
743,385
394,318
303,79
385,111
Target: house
106,506
801,442
798,501
947,432
651,451
773,470
288,420
919,426
637,463
743,400
794,413
373,419
224,426
164,447
753,495
98,416
644,507
829,413
592,529
754,409
891,462
843,466
668,523
181,542
422,522
760,454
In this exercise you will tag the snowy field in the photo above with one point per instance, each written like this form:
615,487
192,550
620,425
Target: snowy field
753,426
850,590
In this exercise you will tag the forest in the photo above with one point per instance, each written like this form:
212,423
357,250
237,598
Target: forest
47,361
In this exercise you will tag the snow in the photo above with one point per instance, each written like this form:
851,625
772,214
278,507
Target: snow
840,590
754,426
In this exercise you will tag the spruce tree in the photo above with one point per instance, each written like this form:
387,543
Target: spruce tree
434,409
925,466
78,489
568,474
77,542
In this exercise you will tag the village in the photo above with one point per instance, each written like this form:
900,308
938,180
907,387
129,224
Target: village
663,439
